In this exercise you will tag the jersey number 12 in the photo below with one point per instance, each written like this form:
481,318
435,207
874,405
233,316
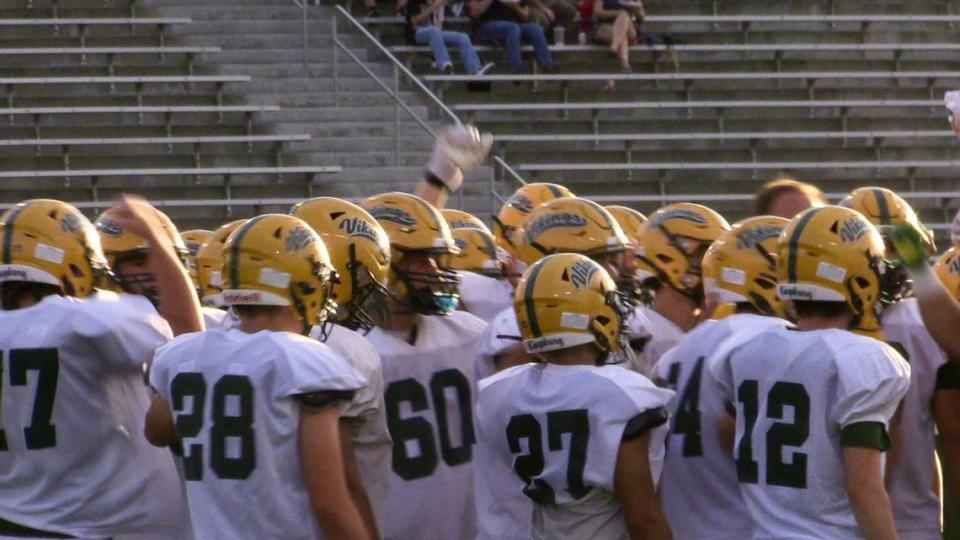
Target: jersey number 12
779,435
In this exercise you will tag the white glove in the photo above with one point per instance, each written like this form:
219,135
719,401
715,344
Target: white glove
457,150
952,101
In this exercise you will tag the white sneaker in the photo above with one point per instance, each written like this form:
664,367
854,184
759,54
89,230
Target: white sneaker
486,67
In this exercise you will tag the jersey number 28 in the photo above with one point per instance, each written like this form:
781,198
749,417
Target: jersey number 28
237,389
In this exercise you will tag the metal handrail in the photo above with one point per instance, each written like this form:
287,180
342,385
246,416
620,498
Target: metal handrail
399,68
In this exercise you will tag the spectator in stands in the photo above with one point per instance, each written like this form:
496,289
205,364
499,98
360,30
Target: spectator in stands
551,14
786,197
425,27
506,22
616,28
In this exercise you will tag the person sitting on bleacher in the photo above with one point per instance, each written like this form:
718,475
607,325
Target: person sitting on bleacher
615,26
425,26
506,22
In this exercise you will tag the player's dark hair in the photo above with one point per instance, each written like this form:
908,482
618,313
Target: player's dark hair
747,307
806,308
12,293
247,312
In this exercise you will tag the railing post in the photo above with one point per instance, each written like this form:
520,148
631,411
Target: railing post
396,116
306,46
336,44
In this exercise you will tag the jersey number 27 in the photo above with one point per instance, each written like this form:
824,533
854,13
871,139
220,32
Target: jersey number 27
41,433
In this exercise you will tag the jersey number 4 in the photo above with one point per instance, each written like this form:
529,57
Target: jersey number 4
779,435
686,420
238,390
575,423
41,433
419,428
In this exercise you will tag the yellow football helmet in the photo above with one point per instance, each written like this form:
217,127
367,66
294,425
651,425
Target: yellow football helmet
51,242
210,264
360,252
278,260
569,225
833,254
947,268
415,227
193,239
458,219
885,209
672,243
741,266
521,203
630,220
478,253
565,300
120,244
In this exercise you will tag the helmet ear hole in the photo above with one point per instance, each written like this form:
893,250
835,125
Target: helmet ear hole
862,282
76,271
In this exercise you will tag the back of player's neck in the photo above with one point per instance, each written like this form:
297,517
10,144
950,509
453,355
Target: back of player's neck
272,323
840,322
676,308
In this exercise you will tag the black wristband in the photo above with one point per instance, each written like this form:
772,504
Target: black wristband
434,180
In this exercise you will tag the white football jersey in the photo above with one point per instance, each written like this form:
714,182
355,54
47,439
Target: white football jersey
559,429
219,318
371,440
911,477
429,395
232,395
484,296
502,333
657,333
73,458
794,393
701,477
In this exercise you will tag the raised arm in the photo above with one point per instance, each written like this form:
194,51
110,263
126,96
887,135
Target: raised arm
178,302
457,150
940,312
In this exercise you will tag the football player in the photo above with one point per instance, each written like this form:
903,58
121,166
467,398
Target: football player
458,219
209,261
512,214
128,254
484,289
256,407
429,391
193,239
813,404
631,221
574,225
933,400
583,441
360,253
671,246
74,462
739,269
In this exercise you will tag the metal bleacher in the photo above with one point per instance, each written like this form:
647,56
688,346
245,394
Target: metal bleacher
99,98
843,94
